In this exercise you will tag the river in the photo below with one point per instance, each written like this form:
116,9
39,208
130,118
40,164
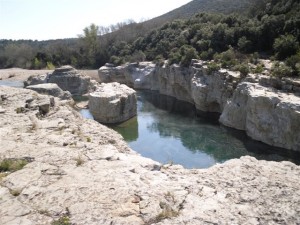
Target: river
168,131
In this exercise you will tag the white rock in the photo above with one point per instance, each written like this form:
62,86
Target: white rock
112,103
85,171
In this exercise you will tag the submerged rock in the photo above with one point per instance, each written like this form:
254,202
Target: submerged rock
112,103
84,172
50,89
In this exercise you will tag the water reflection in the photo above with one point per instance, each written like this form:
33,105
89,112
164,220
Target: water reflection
128,129
168,130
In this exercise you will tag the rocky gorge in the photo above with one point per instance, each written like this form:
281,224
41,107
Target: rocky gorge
267,108
81,172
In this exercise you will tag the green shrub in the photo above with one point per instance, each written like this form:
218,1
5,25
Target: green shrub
64,220
285,46
281,70
243,69
12,165
212,67
258,69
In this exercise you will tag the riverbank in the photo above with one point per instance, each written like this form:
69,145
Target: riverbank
83,172
18,74
267,108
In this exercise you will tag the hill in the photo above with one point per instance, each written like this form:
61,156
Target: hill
207,6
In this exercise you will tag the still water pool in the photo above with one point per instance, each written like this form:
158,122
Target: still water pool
169,131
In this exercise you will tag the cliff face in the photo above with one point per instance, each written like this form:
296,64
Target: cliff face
267,108
83,172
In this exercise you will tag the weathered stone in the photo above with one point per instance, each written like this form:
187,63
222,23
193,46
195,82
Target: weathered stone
67,78
97,179
266,115
50,89
112,103
36,79
216,92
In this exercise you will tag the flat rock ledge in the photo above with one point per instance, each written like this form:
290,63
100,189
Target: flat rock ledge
50,89
84,171
113,103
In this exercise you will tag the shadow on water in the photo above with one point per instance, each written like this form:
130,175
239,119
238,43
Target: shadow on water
168,130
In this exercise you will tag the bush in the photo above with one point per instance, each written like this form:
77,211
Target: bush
212,67
294,63
116,60
281,70
12,165
258,69
243,69
227,59
285,46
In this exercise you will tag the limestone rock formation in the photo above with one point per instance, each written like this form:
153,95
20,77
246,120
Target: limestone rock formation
112,103
135,75
83,172
67,78
266,114
217,92
50,89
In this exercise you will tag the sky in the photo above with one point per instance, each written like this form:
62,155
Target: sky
55,19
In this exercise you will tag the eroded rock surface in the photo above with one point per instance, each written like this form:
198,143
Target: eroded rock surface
67,78
84,171
112,103
267,114
50,89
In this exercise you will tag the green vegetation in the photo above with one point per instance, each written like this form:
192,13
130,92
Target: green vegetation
271,28
79,161
64,220
12,165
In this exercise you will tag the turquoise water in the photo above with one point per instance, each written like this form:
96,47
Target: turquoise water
169,131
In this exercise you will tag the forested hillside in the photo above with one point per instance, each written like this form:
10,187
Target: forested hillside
231,40
269,28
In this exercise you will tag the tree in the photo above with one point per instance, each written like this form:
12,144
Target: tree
90,43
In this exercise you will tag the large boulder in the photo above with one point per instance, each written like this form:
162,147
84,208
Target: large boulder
50,89
69,79
112,103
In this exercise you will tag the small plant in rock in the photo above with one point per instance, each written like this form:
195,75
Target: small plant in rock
79,161
12,165
64,220
15,192
19,110
167,212
44,212
88,139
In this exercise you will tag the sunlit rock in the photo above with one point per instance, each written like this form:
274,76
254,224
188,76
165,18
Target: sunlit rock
112,103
